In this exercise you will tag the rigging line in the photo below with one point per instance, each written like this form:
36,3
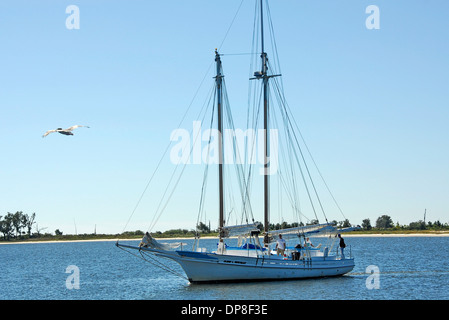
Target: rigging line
156,217
289,167
290,197
169,197
249,167
277,65
313,160
237,54
206,169
176,167
290,192
305,183
273,43
167,148
288,117
229,186
238,158
182,120
302,155
232,22
251,85
235,161
155,264
246,167
203,195
161,265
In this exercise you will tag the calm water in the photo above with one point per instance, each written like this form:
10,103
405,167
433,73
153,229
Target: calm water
410,268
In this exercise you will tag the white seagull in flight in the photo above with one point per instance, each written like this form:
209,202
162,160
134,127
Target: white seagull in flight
67,132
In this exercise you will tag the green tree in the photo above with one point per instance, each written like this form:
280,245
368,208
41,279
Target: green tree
418,225
384,222
17,222
6,226
345,223
28,222
203,228
437,225
366,224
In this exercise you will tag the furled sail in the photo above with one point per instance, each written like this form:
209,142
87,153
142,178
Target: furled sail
230,231
303,231
149,242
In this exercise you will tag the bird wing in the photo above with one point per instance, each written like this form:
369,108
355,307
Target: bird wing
48,132
74,127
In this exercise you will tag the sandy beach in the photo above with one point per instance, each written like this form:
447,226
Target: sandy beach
58,241
376,235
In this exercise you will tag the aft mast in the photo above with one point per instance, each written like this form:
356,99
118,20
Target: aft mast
266,132
219,83
264,76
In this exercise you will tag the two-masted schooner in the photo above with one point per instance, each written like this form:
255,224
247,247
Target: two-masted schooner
254,258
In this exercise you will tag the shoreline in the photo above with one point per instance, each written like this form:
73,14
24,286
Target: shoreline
368,235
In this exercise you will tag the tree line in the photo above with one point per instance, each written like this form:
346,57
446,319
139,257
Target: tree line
385,222
16,225
19,225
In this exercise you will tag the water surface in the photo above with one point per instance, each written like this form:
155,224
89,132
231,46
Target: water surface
410,268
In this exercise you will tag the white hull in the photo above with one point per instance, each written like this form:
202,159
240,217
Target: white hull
211,267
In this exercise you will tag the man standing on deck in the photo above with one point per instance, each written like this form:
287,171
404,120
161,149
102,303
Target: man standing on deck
342,246
280,245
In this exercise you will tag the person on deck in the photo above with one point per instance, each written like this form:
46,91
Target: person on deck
280,245
309,243
342,246
297,254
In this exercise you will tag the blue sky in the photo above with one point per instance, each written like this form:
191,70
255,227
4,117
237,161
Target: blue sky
373,105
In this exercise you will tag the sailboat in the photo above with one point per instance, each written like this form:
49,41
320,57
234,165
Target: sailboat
255,257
